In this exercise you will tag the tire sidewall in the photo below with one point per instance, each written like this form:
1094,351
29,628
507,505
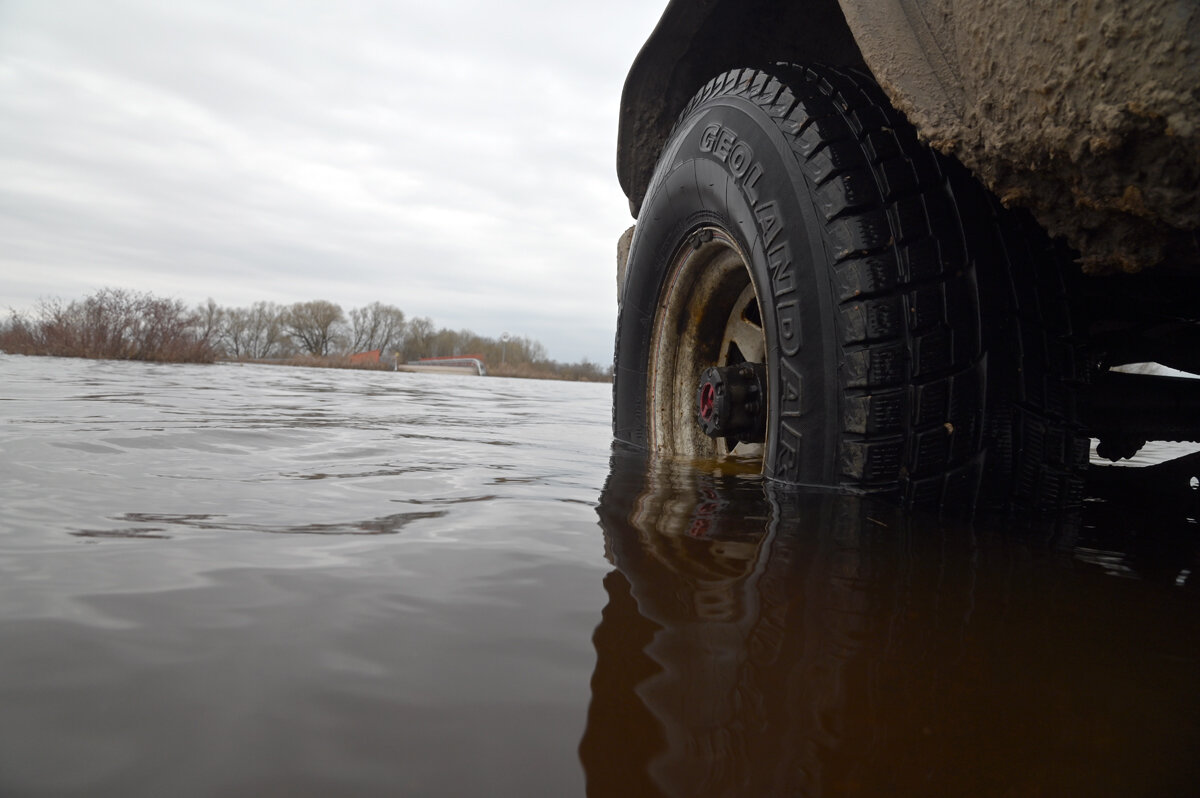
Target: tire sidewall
728,165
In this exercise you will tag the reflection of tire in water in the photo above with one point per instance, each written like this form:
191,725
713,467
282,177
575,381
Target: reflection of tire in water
712,614
759,642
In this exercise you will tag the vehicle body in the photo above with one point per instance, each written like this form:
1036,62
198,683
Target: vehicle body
1085,115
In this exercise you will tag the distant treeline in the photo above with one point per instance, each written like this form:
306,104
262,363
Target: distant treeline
128,325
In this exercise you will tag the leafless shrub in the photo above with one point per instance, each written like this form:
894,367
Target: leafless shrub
112,323
127,325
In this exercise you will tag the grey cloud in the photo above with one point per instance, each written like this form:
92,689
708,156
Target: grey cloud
456,161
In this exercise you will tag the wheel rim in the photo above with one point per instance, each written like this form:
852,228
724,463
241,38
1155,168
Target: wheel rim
708,316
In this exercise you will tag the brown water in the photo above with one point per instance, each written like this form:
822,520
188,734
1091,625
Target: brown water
237,580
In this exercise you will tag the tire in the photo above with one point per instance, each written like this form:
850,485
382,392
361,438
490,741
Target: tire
1037,444
795,222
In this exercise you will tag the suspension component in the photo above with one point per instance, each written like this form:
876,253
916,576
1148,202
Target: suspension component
731,403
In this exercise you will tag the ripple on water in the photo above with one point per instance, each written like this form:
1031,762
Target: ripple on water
247,579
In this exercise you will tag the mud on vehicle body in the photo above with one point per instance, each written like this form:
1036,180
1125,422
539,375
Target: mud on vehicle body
898,247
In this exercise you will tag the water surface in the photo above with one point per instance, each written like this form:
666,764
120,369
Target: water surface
236,580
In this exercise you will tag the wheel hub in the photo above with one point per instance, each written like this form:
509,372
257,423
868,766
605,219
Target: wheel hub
730,403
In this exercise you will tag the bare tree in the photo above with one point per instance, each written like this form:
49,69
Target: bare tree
526,350
118,324
376,326
209,320
315,326
268,337
446,342
255,332
234,332
418,338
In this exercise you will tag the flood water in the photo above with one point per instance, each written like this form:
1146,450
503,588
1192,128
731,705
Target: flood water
253,580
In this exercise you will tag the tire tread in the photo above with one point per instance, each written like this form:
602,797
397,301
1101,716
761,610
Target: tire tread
915,379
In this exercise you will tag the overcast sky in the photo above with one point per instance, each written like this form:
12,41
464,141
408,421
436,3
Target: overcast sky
452,158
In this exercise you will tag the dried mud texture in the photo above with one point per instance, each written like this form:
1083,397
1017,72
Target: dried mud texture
1087,112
